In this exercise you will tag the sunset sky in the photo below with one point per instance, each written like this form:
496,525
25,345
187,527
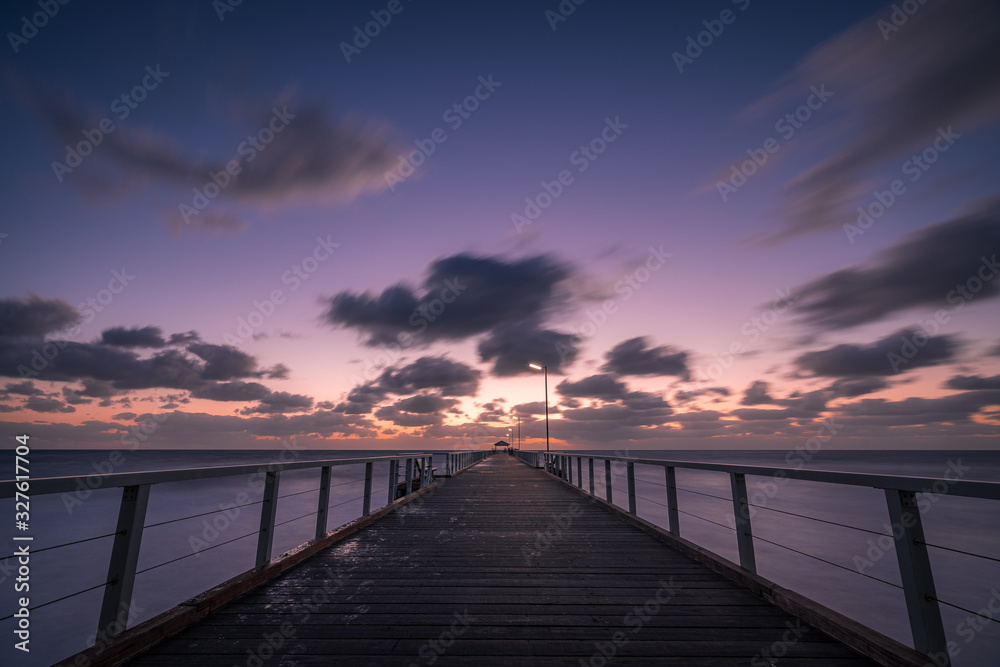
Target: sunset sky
719,224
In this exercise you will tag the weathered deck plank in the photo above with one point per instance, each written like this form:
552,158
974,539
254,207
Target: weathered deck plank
468,560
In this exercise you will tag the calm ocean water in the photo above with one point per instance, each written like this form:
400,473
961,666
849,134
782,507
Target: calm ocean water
182,557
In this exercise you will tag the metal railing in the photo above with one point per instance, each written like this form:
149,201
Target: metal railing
922,602
135,486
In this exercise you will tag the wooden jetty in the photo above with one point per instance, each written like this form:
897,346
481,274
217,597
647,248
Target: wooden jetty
505,565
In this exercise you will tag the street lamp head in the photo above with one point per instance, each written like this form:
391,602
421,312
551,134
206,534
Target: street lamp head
535,366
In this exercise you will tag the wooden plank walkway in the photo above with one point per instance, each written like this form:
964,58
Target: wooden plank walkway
461,577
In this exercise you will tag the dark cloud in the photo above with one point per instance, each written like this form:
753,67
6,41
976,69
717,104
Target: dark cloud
851,387
850,360
929,268
135,337
512,347
280,401
756,394
462,296
893,91
685,396
224,362
313,157
74,397
277,372
603,386
644,400
41,404
96,389
423,404
451,377
113,365
362,399
926,410
26,388
633,357
35,316
524,410
236,390
184,338
971,382
400,417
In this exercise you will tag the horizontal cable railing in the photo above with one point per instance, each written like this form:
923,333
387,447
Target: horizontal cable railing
900,492
406,474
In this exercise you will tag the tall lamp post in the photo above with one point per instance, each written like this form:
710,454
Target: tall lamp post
518,434
545,369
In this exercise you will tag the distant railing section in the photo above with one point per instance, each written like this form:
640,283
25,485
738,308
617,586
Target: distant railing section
922,602
417,470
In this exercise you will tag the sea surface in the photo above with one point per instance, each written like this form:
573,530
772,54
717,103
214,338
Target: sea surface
200,533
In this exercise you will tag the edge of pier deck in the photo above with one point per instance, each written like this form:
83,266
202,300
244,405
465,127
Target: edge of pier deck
855,636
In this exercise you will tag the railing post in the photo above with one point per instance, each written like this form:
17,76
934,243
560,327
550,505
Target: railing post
563,465
915,571
674,516
631,488
268,508
569,469
409,476
591,475
393,479
124,556
324,500
741,508
579,471
607,479
368,489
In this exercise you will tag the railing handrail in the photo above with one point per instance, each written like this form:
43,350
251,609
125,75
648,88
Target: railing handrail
953,487
922,602
49,485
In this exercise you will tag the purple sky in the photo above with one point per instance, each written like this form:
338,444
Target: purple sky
228,228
